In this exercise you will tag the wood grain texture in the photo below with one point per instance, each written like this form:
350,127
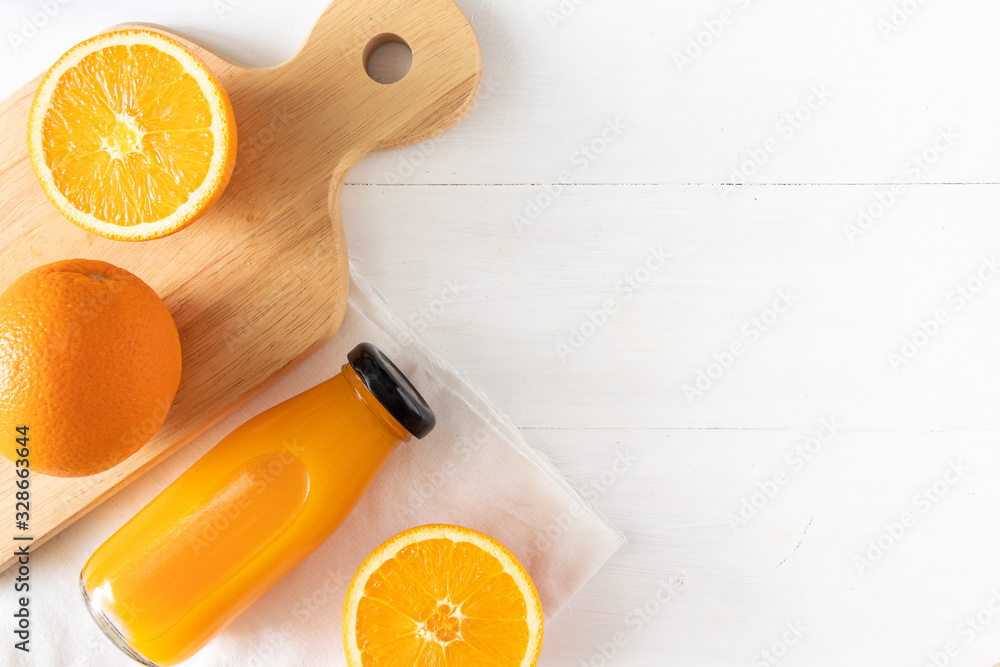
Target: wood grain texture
424,217
521,294
261,281
553,83
672,490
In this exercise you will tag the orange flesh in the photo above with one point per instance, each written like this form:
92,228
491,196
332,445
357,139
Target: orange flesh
439,602
127,135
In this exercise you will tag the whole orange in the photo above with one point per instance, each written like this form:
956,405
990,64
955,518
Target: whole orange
90,361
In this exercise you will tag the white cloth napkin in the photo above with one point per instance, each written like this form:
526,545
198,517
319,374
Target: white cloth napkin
473,470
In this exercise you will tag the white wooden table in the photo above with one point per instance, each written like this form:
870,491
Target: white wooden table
734,267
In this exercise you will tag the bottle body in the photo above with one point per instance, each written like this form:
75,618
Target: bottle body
239,520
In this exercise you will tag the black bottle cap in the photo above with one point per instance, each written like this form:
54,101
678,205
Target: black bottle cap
388,384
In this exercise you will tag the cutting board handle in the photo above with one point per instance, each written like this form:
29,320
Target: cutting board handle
437,92
327,96
261,281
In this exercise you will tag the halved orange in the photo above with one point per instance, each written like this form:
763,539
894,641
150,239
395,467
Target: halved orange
442,596
131,136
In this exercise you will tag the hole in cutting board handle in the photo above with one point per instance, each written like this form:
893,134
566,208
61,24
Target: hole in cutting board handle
387,58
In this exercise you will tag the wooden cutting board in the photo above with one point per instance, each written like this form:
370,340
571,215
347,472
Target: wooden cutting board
261,281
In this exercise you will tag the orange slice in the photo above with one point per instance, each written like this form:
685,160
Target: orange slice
131,136
442,596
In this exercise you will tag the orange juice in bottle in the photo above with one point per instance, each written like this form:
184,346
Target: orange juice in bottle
249,511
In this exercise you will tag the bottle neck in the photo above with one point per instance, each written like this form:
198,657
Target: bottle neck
386,420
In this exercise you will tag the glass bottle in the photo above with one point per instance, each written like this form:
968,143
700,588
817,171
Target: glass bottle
249,511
